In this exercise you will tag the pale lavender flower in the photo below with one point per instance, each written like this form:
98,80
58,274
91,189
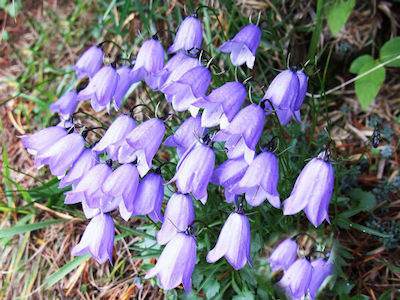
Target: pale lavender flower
89,62
296,279
42,139
321,270
123,85
284,255
243,46
303,83
189,35
98,239
176,263
178,215
65,105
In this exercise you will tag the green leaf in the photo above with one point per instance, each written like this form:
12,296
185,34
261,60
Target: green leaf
368,86
338,13
24,228
390,50
344,223
211,288
366,200
359,62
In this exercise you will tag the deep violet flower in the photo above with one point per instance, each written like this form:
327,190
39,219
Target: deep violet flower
321,270
243,46
187,133
243,133
98,239
101,88
178,215
233,241
176,263
284,255
296,279
260,181
189,35
123,85
192,176
65,105
89,62
43,139
312,190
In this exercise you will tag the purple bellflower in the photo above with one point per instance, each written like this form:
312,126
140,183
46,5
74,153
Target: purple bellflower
123,85
101,88
284,255
222,104
65,105
149,63
178,215
296,280
243,46
185,135
149,197
89,62
42,139
321,270
176,263
189,35
233,241
303,81
192,176
312,190
243,133
98,239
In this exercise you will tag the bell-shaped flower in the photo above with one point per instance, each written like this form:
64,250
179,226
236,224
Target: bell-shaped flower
296,280
243,133
187,133
260,181
115,136
312,190
101,88
192,176
321,270
43,139
65,105
98,239
243,46
284,255
176,263
89,62
62,154
233,242
149,197
222,104
149,62
190,88
123,85
142,144
189,35
178,215
303,84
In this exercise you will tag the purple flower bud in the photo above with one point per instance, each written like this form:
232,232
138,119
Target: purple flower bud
189,35
65,105
123,85
312,192
101,88
321,270
243,133
303,81
178,215
243,46
296,279
283,256
149,197
191,176
233,242
42,139
98,239
260,181
89,62
190,88
176,263
185,135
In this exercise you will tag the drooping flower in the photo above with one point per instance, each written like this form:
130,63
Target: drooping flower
321,270
233,241
65,105
303,83
284,255
123,85
243,46
176,263
296,279
178,215
312,190
188,36
89,62
98,239
243,133
43,139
